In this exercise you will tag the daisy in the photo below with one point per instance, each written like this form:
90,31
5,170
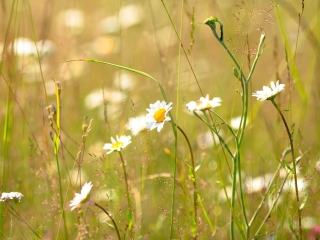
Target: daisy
268,93
10,196
136,124
81,197
157,115
203,104
117,144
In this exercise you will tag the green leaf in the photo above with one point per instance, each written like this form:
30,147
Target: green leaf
198,167
303,202
292,229
288,166
286,152
290,55
191,174
292,131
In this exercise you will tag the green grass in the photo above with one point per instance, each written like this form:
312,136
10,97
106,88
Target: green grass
164,185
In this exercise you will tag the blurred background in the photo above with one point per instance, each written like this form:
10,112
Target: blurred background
39,38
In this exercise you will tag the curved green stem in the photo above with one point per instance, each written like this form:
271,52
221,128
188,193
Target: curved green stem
56,152
218,135
194,181
293,162
113,222
130,226
172,124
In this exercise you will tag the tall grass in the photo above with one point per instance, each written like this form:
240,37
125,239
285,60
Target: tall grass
201,176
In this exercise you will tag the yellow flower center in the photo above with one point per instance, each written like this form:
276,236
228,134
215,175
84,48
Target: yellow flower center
159,116
117,145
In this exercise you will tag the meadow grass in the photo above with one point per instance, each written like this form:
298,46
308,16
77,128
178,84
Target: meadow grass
193,154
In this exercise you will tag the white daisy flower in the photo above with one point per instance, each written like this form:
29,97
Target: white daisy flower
268,93
81,197
11,196
157,115
117,144
136,124
203,104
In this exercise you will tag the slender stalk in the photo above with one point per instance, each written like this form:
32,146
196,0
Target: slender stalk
211,22
114,223
14,213
273,205
56,152
184,51
194,182
173,191
7,124
254,216
172,124
294,165
128,194
206,214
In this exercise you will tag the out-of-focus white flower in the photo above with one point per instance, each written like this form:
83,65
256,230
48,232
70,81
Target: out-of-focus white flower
75,175
73,19
257,184
117,144
23,47
106,195
290,185
27,47
268,93
136,124
124,81
206,140
14,196
46,47
81,197
222,194
95,98
203,104
128,16
235,122
157,115
109,25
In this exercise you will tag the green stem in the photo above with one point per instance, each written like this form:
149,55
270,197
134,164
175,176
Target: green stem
194,181
206,215
7,124
172,124
211,22
293,162
56,152
128,195
173,187
184,51
216,132
265,197
273,205
114,223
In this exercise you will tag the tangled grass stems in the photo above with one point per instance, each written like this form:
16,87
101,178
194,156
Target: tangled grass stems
211,22
130,214
21,219
290,136
7,122
195,190
56,153
111,218
172,124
